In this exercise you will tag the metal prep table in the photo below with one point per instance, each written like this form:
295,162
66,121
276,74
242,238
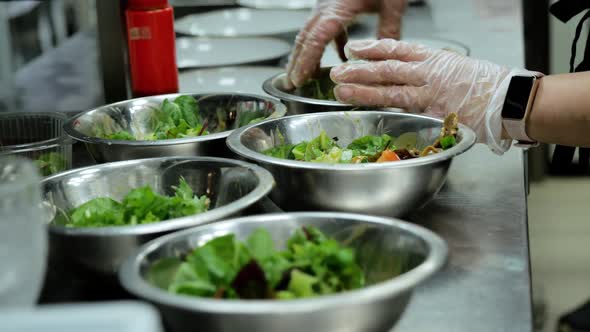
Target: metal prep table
481,212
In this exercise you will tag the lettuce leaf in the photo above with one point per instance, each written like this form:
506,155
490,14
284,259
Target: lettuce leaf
224,267
140,206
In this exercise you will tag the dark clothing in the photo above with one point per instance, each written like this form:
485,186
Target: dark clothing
565,10
563,156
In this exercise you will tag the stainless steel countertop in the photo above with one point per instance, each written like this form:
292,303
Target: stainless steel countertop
481,211
486,286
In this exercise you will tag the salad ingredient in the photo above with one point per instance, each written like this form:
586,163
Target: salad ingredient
181,118
121,135
407,141
173,119
367,149
177,119
140,206
311,265
51,163
388,155
319,88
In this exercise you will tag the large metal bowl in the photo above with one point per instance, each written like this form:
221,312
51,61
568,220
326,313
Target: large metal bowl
297,102
134,115
388,189
231,185
395,256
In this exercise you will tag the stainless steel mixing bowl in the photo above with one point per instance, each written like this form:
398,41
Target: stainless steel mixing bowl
231,185
134,116
395,256
388,189
297,102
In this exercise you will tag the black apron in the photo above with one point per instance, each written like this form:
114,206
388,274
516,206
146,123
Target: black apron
565,10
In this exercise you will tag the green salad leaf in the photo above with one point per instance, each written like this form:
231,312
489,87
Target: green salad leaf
371,146
250,117
173,119
179,118
448,142
322,89
280,151
140,206
224,267
51,163
121,135
324,149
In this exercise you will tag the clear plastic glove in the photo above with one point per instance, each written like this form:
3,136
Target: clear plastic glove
423,80
328,22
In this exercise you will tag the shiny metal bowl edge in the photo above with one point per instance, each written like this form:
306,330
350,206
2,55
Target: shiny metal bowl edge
376,307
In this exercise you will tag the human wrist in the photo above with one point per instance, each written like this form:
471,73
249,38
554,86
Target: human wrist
512,126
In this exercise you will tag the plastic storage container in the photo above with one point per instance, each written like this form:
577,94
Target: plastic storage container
39,137
23,234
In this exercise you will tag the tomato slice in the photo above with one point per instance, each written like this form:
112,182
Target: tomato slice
387,156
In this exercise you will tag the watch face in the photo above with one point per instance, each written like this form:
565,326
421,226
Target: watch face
517,97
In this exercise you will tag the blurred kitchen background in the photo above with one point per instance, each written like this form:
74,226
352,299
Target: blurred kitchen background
68,56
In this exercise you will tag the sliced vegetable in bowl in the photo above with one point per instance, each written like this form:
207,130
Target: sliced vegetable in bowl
369,148
311,265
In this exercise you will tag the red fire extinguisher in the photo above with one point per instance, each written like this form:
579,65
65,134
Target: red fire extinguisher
151,46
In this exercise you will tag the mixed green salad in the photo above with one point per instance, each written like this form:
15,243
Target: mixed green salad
139,206
181,118
366,149
225,268
318,88
51,163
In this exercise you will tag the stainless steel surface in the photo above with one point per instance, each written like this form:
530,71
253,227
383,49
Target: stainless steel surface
231,185
385,247
387,189
481,213
298,104
134,115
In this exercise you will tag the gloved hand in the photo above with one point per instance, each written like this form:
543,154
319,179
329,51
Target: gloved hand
435,82
328,22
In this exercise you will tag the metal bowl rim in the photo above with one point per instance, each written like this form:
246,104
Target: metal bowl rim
130,277
234,143
269,86
75,134
265,184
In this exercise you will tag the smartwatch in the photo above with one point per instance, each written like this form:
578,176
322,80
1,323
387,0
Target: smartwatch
517,107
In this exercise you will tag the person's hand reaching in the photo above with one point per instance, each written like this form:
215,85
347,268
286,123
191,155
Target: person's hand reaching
422,80
328,22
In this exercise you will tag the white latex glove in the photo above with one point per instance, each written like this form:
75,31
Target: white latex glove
423,80
328,22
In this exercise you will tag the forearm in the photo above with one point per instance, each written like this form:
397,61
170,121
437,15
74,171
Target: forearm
561,110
